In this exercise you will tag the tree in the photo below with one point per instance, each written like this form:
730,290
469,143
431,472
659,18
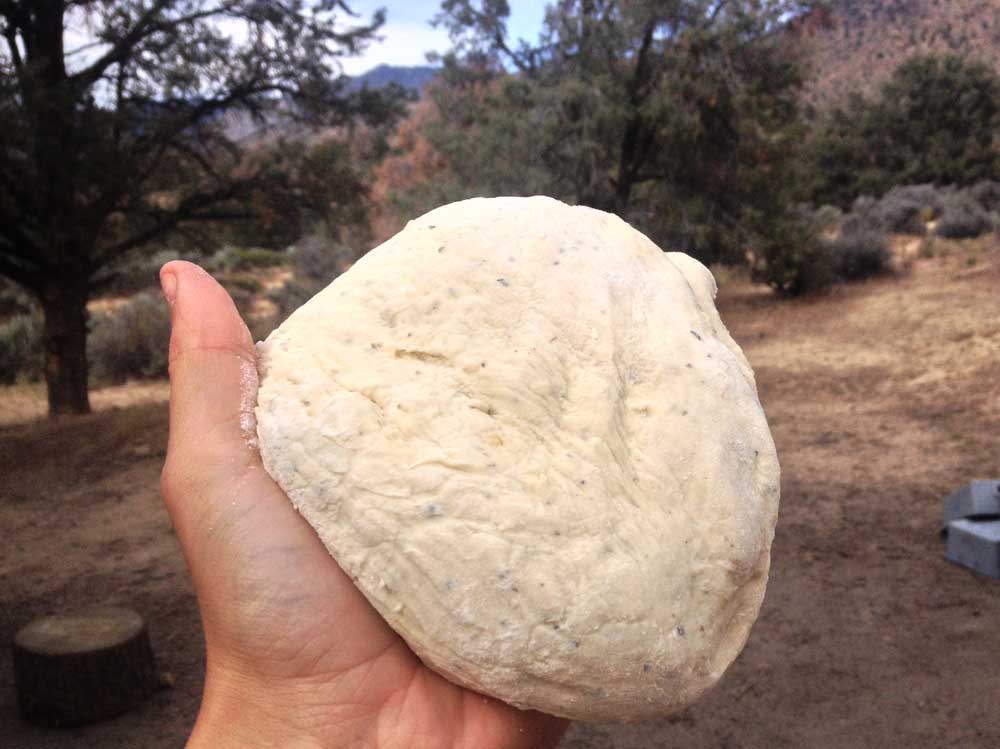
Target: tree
679,116
936,120
128,138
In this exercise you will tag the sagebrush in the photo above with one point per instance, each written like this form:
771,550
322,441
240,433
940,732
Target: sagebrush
22,353
130,342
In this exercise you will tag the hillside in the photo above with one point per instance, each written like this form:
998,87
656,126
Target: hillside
240,125
860,42
853,46
412,77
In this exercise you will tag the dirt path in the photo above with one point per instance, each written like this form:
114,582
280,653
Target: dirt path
883,398
25,403
83,525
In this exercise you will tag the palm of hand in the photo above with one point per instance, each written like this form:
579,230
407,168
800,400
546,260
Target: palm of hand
289,637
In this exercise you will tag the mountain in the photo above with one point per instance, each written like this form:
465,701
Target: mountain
240,126
856,44
413,77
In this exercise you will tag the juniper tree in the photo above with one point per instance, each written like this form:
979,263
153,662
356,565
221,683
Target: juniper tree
936,120
681,116
110,146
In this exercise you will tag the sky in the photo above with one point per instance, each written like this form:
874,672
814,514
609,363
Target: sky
408,35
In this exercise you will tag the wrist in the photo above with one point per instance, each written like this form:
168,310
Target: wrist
237,711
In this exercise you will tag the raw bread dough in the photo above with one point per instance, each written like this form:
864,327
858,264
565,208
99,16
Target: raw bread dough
524,432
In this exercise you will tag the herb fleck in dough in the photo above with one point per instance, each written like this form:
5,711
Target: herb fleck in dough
524,432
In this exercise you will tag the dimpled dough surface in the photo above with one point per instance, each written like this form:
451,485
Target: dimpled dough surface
523,431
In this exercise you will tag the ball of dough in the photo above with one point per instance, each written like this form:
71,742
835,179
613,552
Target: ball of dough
524,432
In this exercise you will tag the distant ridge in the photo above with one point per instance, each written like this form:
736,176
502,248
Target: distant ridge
856,45
240,126
412,77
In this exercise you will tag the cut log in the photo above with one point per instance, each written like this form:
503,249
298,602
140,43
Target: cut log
79,668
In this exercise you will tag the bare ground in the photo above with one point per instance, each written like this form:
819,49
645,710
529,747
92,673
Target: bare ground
883,398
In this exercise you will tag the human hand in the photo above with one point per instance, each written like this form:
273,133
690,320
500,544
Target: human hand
296,655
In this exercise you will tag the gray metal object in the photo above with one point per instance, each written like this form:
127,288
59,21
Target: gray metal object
972,527
975,544
975,499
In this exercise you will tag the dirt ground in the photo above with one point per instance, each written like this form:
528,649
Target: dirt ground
883,398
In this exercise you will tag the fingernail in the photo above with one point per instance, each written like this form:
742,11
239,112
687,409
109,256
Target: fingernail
168,282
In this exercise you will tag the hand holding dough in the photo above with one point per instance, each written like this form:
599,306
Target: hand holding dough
526,435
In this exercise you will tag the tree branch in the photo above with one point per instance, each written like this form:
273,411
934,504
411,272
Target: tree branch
170,134
642,58
146,25
18,273
19,245
519,62
15,54
188,210
715,11
647,176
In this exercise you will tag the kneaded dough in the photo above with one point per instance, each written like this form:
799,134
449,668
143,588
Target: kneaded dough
524,432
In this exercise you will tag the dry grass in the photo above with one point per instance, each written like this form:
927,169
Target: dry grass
26,403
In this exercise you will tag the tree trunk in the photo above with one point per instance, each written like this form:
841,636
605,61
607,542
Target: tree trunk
65,308
623,194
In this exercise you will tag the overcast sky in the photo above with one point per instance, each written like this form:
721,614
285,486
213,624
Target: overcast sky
408,34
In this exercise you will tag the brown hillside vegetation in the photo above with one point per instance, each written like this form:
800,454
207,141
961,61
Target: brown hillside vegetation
883,398
858,46
414,162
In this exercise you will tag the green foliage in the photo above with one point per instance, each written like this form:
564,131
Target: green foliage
858,254
987,194
226,259
140,271
258,257
935,121
678,117
805,261
795,261
241,296
245,282
803,269
21,349
905,210
14,300
161,133
310,181
863,216
289,298
962,217
131,342
168,124
828,216
318,260
960,213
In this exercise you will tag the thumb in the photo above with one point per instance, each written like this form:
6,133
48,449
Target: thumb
251,555
213,389
213,377
212,458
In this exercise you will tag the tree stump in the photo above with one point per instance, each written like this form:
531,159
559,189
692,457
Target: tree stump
79,668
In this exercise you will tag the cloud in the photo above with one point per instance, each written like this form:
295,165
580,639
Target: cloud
404,43
408,35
